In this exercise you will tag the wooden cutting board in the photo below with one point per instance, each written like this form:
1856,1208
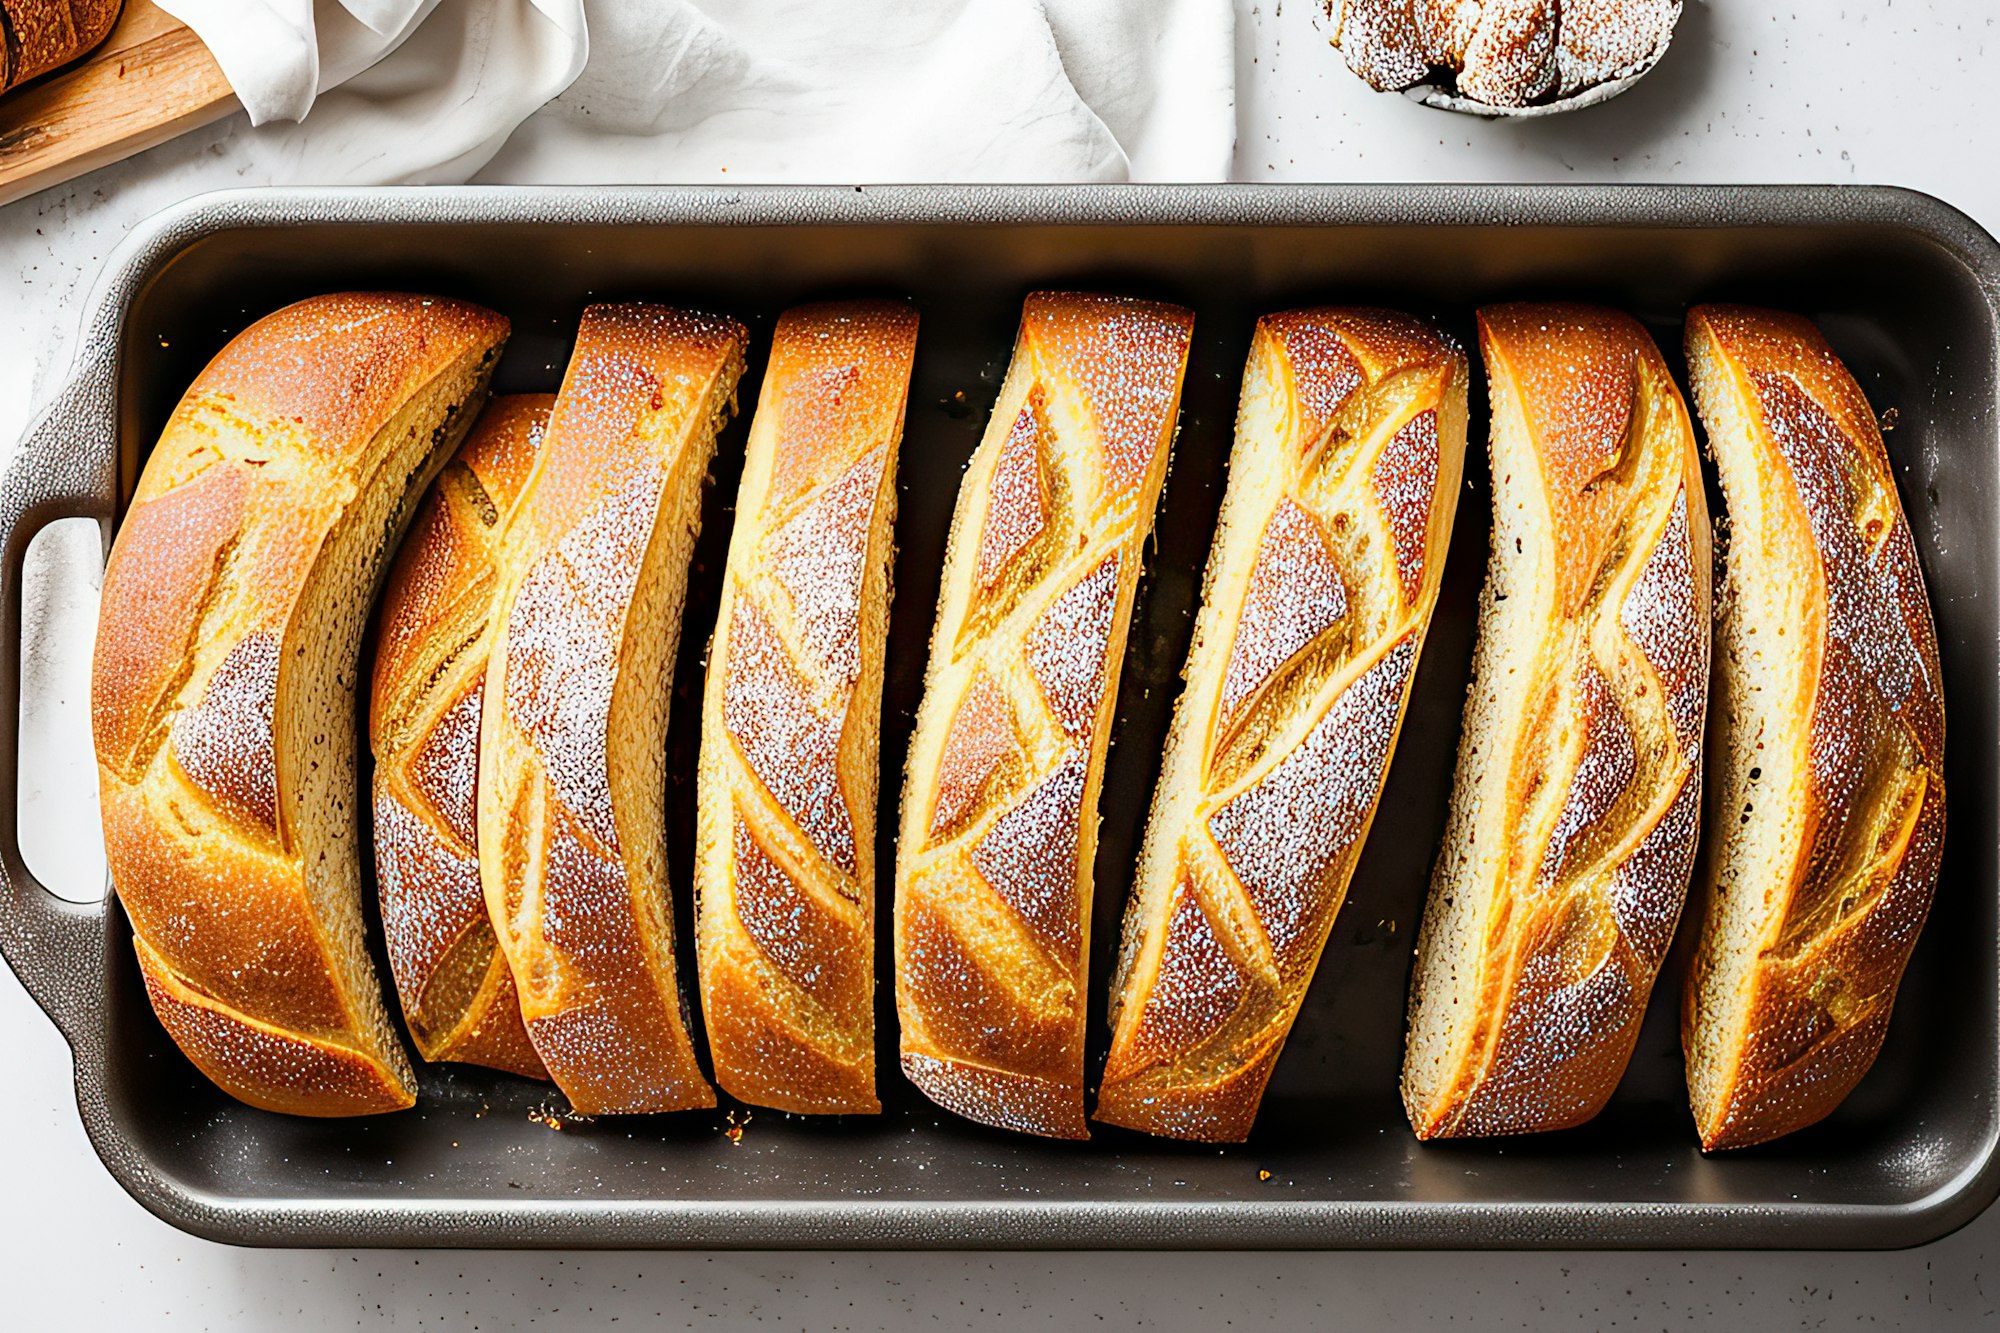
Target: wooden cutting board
151,80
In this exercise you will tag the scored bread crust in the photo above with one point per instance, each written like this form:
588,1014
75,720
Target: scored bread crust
785,836
457,991
1577,799
1343,484
222,686
999,824
572,744
1828,792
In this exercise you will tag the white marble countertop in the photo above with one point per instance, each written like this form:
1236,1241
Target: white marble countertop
1882,91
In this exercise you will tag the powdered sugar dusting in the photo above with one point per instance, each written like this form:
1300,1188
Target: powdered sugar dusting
793,930
1867,641
1126,357
1648,886
601,1009
1660,615
1017,499
224,743
562,650
790,743
813,427
608,1056
1604,770
1066,649
1503,52
1579,385
1564,938
1601,40
1511,59
1405,478
1029,857
979,741
1444,28
274,1069
1197,987
445,765
993,1029
1282,834
984,1004
430,897
1379,40
1324,370
1294,595
998,1097
1564,1017
817,558
586,906
1876,716
1197,1035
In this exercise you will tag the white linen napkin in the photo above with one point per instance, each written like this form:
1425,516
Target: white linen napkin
464,73
892,90
677,90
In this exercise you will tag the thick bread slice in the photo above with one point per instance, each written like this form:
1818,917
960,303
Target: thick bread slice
1575,811
791,726
42,35
1828,786
999,830
430,677
1504,52
572,746
222,692
1350,449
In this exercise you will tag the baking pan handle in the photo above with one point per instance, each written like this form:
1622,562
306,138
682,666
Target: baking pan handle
64,468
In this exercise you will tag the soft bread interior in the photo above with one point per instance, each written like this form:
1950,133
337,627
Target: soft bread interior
1765,677
861,738
1515,608
635,751
313,718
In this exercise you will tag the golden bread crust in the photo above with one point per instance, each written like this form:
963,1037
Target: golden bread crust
457,991
1343,486
1831,837
275,1069
572,733
1575,809
999,827
785,854
203,645
41,35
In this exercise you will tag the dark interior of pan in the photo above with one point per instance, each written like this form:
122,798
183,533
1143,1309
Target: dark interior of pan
1901,286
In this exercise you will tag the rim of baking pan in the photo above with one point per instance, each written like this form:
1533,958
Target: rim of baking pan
58,948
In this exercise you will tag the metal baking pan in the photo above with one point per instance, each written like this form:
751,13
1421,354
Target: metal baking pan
1905,287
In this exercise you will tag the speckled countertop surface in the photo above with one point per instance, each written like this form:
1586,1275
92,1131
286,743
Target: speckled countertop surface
1886,91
